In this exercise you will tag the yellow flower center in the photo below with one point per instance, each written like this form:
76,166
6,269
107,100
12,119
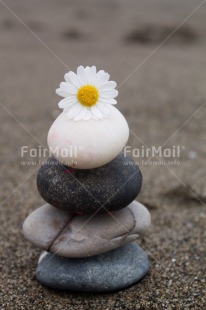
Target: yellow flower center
88,95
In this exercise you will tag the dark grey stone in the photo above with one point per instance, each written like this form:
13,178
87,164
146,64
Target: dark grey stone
112,271
110,187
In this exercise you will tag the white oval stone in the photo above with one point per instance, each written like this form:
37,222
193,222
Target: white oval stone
88,144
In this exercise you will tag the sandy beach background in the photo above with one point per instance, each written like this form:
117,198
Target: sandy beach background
155,50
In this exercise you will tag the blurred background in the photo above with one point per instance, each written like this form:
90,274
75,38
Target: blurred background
155,50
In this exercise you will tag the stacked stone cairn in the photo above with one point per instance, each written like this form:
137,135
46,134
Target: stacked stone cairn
89,224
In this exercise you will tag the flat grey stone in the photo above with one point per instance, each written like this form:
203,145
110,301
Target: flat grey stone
115,270
70,235
107,188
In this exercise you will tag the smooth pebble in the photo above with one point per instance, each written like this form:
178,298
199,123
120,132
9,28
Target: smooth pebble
88,144
113,271
107,188
69,235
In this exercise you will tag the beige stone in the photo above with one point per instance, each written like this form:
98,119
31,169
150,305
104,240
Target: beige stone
70,235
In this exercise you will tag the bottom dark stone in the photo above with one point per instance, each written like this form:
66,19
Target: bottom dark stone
111,271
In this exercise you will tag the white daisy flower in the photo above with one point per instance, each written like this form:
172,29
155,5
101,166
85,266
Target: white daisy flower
87,94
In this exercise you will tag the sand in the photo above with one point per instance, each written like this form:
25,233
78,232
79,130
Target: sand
164,98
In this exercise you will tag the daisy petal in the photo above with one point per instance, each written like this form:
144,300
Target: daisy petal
108,100
88,74
94,117
88,115
92,75
87,71
109,93
100,74
94,70
81,75
102,78
108,85
103,107
96,112
80,115
75,109
61,92
68,87
67,102
72,79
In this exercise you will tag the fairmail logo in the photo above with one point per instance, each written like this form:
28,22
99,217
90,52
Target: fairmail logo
153,151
